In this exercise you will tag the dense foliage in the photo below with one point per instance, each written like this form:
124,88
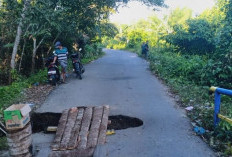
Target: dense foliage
190,53
29,29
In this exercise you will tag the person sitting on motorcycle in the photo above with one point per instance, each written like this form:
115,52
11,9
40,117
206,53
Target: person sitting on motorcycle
61,55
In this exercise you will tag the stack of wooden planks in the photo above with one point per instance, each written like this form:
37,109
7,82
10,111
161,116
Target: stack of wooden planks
80,130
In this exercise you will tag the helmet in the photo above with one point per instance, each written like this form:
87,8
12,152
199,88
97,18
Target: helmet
58,43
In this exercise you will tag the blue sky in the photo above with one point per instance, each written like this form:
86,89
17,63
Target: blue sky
136,10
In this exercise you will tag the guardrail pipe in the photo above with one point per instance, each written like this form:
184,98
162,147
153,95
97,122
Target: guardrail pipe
224,91
217,101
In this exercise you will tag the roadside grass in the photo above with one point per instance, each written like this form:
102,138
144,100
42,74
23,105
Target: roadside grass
184,75
14,92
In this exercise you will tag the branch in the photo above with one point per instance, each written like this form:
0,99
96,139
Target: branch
53,42
3,130
40,42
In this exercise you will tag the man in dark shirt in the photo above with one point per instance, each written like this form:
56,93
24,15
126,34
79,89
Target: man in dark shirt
146,49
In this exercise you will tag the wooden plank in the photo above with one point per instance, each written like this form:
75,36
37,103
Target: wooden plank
82,131
52,129
85,128
95,126
103,126
68,128
60,130
76,130
73,153
24,155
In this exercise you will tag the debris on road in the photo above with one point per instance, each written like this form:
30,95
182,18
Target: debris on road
190,108
110,132
52,129
199,130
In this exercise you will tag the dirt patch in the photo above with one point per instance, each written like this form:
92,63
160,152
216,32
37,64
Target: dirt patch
121,122
37,94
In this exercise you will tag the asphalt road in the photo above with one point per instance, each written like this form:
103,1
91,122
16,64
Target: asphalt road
122,80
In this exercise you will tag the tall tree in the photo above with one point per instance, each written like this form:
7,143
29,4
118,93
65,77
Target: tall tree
19,32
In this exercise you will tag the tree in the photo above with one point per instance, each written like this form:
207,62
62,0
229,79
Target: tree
178,17
18,34
197,39
224,39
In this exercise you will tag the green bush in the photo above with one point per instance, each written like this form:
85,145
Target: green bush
9,94
217,73
169,65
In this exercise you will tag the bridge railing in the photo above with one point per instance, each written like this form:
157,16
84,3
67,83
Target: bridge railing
217,104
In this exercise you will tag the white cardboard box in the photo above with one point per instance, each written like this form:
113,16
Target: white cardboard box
17,116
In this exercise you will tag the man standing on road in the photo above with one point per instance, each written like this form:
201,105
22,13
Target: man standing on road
61,55
146,49
143,48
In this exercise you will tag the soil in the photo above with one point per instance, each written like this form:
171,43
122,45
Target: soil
37,94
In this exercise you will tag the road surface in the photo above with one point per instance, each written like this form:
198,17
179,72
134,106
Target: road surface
122,80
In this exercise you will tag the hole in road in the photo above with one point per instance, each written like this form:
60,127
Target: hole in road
121,122
40,121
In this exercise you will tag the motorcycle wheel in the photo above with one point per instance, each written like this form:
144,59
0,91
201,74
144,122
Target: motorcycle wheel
82,68
53,81
80,77
77,70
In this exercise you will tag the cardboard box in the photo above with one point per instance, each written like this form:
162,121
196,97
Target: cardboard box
17,116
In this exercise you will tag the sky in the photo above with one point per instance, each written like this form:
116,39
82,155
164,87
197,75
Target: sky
135,11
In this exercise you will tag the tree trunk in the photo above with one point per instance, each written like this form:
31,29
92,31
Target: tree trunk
33,56
17,38
35,48
18,34
20,63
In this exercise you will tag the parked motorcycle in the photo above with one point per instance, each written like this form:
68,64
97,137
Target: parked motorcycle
77,66
53,71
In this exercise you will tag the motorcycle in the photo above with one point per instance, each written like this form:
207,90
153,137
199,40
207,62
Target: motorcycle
53,71
77,66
